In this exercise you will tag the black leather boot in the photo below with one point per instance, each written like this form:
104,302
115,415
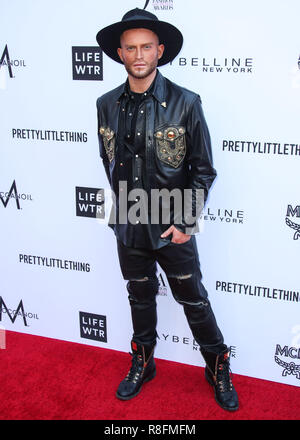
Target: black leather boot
217,373
142,370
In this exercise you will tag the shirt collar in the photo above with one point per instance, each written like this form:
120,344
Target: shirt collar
156,89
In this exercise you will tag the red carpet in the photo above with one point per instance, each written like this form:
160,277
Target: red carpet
48,379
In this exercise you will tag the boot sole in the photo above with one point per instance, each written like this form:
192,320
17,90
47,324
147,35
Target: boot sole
210,381
131,396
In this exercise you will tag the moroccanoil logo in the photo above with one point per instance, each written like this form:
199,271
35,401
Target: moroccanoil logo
6,62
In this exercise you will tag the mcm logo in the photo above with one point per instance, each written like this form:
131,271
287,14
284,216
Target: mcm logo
293,212
12,314
288,368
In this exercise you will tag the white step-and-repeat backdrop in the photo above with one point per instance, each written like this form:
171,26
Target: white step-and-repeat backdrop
60,276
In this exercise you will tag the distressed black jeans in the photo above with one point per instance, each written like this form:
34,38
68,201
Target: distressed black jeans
180,262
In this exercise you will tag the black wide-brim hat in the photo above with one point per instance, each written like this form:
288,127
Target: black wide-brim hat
168,35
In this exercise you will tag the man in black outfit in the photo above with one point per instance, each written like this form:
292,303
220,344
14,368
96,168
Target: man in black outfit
153,136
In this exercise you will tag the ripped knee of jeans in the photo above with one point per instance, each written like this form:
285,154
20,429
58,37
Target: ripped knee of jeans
188,289
180,278
143,289
183,277
140,279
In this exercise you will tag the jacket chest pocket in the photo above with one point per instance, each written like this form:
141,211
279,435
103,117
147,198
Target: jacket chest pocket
171,145
109,139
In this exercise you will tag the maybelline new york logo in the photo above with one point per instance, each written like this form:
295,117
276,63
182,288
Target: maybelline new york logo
223,215
166,337
216,65
13,194
295,226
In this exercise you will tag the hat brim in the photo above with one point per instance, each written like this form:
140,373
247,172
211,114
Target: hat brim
109,38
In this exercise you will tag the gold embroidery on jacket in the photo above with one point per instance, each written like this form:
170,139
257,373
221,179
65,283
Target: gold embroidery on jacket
108,136
170,145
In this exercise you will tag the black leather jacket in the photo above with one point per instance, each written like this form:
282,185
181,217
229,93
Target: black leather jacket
177,142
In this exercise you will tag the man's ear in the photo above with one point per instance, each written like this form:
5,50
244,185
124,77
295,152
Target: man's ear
119,50
161,49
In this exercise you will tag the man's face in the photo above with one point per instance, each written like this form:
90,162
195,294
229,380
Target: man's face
140,51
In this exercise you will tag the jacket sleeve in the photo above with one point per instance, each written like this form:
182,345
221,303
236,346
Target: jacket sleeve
102,151
200,163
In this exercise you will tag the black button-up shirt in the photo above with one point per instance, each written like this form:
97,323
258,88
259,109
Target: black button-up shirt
139,233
